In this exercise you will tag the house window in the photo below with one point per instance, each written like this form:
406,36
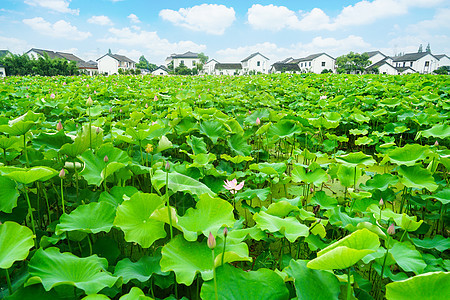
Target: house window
258,63
427,64
301,65
323,64
410,64
182,62
404,64
161,73
310,64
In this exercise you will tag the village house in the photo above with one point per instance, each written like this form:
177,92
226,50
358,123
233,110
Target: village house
161,70
189,59
228,69
256,63
208,68
444,61
385,66
422,62
316,63
283,67
375,56
2,71
111,63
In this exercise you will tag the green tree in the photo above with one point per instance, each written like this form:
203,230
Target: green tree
444,70
352,62
22,65
428,49
420,49
183,70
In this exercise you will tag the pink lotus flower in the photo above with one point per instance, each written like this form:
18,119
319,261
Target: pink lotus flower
59,126
258,121
155,98
391,229
233,185
52,96
211,241
323,97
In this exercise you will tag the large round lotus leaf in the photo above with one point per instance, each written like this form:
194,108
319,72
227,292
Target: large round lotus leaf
441,196
381,182
356,159
209,215
434,285
141,270
313,284
133,218
234,283
316,177
52,268
18,128
180,183
408,258
116,194
96,169
35,292
96,297
51,140
438,242
440,131
417,177
347,175
340,218
290,227
8,194
347,251
27,176
82,142
284,129
15,243
94,217
197,144
239,145
187,259
212,129
135,294
408,155
9,142
281,209
269,168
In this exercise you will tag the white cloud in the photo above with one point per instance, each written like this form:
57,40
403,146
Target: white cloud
61,6
439,21
15,45
60,29
275,18
134,19
100,20
209,18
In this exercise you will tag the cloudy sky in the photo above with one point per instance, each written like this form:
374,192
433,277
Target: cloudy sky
225,30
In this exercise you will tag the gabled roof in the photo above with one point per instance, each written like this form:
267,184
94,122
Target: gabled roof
402,69
289,67
228,66
286,60
118,58
379,64
439,56
162,68
312,56
253,55
188,54
373,53
69,56
412,56
62,55
211,60
51,54
4,53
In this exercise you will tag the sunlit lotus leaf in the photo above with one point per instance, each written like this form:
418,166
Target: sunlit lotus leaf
239,145
138,134
284,129
141,270
364,140
348,176
408,155
438,242
433,285
380,182
96,297
269,168
180,183
347,251
408,258
290,227
325,201
186,125
187,259
8,194
82,141
360,118
197,144
238,235
51,140
263,129
133,218
236,159
356,159
313,284
15,243
209,215
18,128
234,283
52,268
135,294
417,177
116,195
212,129
202,160
164,144
316,177
408,223
440,131
391,102
33,174
342,219
9,142
281,209
357,131
250,194
94,217
442,196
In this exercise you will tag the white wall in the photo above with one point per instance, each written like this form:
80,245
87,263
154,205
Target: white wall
376,58
228,72
2,72
318,64
424,65
159,72
444,61
188,62
108,65
252,64
387,69
208,68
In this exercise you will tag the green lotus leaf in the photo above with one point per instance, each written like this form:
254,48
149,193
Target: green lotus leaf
51,140
9,142
209,215
316,177
197,144
360,118
96,170
35,292
236,159
417,177
364,140
313,284
250,194
33,174
133,218
82,141
138,134
440,131
442,196
53,268
406,222
135,294
8,194
18,128
269,168
325,201
381,182
239,145
408,258
116,195
236,236
164,144
391,102
96,297
342,219
347,251
348,176
281,209
356,159
433,285
15,243
284,129
357,131
187,259
213,130
290,227
94,217
234,283
180,183
408,155
202,160
141,270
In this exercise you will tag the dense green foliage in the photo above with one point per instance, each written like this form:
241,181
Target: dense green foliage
352,63
305,186
44,66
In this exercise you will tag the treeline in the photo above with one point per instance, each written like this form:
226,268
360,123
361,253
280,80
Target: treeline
22,65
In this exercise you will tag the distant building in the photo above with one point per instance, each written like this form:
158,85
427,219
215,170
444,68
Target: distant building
209,67
385,66
161,70
228,69
2,71
282,67
189,59
444,61
111,63
422,62
375,56
256,62
4,53
316,63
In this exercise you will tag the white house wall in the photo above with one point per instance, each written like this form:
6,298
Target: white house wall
160,72
108,65
252,65
387,69
444,61
420,64
188,62
317,65
227,72
376,58
2,72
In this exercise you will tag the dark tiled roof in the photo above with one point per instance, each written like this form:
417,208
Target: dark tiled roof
118,57
289,67
412,56
312,56
162,68
439,56
69,56
51,54
286,60
63,55
253,55
401,69
212,59
373,53
228,66
188,54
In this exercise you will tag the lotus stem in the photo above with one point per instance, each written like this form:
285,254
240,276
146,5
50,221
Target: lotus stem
8,281
214,275
224,245
76,175
25,149
90,128
30,210
90,244
4,156
349,285
168,203
62,196
385,256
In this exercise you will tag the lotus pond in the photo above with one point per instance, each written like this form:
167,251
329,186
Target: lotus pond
251,187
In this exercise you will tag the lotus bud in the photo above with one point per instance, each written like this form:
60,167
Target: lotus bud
381,203
89,101
120,111
59,126
146,105
155,98
211,241
167,166
436,143
52,96
97,130
391,229
106,159
110,110
64,83
258,121
225,232
62,174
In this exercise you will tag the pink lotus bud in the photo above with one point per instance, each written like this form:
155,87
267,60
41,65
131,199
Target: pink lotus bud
391,229
167,166
87,85
436,143
323,97
155,98
52,96
97,130
110,110
146,105
64,83
106,159
211,241
89,101
381,203
225,231
62,174
258,121
120,110
95,92
59,126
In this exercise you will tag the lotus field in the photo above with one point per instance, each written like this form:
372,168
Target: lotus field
248,187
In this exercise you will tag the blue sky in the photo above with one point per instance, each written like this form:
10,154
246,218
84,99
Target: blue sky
225,30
